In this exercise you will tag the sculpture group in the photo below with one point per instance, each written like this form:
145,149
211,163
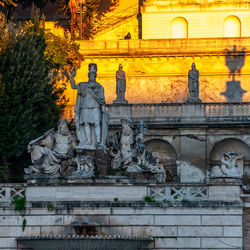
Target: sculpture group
56,151
71,152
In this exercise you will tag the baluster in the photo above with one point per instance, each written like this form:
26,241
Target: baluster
151,110
210,110
231,110
236,111
172,111
215,110
160,111
207,110
156,110
143,110
219,110
223,110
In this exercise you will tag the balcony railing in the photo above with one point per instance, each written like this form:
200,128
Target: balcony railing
176,112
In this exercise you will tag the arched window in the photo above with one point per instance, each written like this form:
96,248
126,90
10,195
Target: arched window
232,27
179,28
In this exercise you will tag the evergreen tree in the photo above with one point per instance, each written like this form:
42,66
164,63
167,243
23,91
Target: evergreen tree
28,100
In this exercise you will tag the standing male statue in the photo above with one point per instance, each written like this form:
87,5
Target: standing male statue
90,111
120,86
193,85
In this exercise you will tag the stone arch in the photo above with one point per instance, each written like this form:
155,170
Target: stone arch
179,28
165,154
229,145
232,27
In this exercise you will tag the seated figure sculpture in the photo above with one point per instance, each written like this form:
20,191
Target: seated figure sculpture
49,151
130,154
228,166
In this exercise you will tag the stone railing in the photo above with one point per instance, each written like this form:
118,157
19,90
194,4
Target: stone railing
170,111
231,111
10,191
176,112
177,192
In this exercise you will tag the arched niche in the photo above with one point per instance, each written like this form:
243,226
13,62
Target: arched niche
232,27
231,145
165,155
179,28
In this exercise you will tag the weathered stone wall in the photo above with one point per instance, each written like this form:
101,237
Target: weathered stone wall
246,227
214,223
157,70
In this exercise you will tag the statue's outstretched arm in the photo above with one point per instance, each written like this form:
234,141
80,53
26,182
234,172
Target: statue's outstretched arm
72,80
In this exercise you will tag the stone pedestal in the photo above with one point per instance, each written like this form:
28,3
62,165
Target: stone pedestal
91,162
120,101
193,100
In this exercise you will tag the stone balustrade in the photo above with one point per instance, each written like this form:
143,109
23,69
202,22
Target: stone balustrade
107,190
188,192
10,191
176,112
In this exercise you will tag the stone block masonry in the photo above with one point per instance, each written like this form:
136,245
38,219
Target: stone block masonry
209,224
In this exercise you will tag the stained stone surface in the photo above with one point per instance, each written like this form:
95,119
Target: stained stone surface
234,92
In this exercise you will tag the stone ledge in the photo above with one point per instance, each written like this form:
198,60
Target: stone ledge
135,204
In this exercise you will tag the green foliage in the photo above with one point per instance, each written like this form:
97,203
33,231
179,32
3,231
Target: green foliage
116,199
31,100
20,205
184,201
112,171
149,199
50,207
24,224
118,180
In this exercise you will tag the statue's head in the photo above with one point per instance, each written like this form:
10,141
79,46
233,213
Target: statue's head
62,126
120,66
127,123
92,74
193,65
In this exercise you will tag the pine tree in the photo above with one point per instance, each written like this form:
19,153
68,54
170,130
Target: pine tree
28,101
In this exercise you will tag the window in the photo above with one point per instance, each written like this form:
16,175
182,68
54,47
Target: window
179,28
232,27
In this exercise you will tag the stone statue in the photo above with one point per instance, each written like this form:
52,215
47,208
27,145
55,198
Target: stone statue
193,85
127,139
51,150
228,166
90,111
85,166
130,154
120,86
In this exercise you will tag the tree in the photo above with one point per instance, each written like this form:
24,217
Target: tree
93,13
31,101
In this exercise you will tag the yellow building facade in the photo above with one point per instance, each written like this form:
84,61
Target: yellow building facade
174,35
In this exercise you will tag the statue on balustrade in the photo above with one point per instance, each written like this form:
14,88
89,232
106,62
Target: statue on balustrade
228,166
130,154
51,151
91,117
193,85
120,86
